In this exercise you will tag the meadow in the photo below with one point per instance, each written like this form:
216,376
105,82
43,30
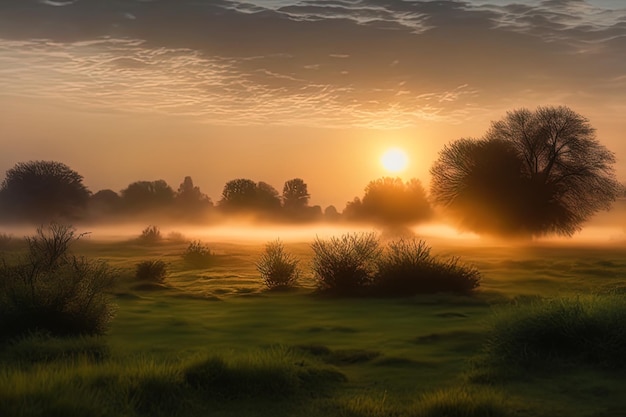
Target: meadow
543,335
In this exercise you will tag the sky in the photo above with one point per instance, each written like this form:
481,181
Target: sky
129,90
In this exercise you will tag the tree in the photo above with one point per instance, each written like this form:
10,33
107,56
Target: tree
104,202
189,197
42,190
245,195
533,173
295,194
267,198
391,201
147,195
238,194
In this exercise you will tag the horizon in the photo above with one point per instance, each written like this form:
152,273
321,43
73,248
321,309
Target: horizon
274,90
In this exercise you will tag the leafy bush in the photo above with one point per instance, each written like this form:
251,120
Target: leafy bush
151,270
198,255
560,332
278,268
345,265
407,267
151,234
50,290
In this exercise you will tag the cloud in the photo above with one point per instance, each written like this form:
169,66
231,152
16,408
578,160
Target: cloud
380,63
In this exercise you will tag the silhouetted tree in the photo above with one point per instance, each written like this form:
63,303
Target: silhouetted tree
391,201
147,195
267,197
190,199
533,173
105,202
41,191
238,194
331,214
295,194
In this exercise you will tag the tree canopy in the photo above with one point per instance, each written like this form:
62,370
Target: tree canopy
391,201
42,190
533,173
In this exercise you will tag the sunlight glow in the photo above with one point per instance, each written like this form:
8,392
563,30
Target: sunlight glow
395,160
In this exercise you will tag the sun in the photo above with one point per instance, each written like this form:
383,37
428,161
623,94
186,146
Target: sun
395,160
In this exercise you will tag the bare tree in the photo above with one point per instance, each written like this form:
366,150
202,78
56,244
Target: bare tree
533,173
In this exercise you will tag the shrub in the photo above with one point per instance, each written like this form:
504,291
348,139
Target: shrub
278,269
345,265
407,267
197,255
50,290
151,234
151,270
560,332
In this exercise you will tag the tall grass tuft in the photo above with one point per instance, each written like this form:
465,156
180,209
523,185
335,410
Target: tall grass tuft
278,269
276,373
153,270
459,402
51,290
560,332
151,234
198,255
345,265
407,268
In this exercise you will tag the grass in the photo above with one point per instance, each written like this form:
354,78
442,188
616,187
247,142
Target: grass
183,350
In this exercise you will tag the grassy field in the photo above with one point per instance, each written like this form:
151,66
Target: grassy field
214,341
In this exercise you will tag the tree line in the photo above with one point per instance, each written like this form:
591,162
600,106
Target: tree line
533,173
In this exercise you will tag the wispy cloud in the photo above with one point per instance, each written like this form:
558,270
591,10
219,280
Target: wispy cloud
375,63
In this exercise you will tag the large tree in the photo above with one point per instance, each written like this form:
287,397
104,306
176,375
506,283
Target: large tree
533,173
42,190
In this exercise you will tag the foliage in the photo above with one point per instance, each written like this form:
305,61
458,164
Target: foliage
238,193
278,269
42,191
154,270
49,289
562,331
190,199
533,173
147,195
407,267
198,255
345,265
391,201
151,234
295,194
243,194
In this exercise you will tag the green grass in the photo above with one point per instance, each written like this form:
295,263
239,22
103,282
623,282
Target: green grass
213,341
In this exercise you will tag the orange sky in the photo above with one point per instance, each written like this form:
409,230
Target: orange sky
143,91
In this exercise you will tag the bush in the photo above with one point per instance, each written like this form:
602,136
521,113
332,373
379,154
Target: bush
151,234
151,270
407,267
560,332
198,255
345,265
278,269
5,240
51,290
